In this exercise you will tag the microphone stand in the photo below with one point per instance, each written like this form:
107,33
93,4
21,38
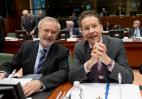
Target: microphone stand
120,81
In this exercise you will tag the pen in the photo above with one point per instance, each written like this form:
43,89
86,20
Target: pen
119,80
107,90
12,74
59,95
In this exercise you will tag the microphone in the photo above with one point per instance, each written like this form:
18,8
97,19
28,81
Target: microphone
140,68
119,78
12,74
120,81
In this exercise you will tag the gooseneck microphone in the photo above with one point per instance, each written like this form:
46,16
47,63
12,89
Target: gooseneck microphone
120,81
140,68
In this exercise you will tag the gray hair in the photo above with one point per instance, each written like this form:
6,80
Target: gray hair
49,19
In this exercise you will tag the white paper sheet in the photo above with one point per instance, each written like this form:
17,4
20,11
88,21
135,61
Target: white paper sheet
21,80
96,90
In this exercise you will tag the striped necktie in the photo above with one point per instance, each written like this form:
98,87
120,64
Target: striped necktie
41,60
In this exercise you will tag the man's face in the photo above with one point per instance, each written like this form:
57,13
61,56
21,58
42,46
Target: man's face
48,32
136,24
91,29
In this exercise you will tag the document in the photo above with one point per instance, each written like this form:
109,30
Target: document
22,81
115,91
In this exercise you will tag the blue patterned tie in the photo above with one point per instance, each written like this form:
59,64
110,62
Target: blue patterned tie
41,60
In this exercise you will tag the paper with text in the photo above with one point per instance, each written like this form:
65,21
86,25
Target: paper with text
97,91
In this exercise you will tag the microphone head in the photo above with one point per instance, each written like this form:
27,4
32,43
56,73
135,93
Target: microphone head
140,68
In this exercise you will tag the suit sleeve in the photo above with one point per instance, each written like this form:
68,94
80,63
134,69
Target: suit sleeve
121,64
59,75
15,63
22,27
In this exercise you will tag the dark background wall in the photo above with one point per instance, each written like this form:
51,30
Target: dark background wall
11,9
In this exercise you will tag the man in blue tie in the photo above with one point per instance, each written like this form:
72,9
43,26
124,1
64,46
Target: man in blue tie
98,58
41,57
136,31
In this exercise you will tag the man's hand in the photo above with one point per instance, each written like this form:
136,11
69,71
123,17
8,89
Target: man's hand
32,87
99,50
2,75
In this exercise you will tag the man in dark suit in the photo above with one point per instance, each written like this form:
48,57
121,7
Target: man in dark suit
73,31
98,58
136,31
2,27
28,23
54,66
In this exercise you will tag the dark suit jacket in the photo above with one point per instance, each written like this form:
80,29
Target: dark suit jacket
28,23
131,32
2,29
115,50
55,69
118,13
75,32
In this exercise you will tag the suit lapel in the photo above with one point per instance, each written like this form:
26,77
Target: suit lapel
106,42
87,50
133,31
49,58
34,54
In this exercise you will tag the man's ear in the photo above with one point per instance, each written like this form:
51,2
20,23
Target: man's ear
80,30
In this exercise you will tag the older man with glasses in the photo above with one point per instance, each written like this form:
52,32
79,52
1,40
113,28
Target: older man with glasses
41,57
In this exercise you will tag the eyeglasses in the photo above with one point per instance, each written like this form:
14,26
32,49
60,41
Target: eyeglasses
48,30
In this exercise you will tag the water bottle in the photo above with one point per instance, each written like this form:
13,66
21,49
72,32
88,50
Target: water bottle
77,92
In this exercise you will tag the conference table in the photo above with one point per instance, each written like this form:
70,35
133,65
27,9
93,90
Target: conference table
133,49
64,88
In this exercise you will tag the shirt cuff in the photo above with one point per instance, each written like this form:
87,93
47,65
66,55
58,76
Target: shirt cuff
43,87
6,75
86,70
111,65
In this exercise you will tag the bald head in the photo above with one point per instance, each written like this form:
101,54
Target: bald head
69,24
25,12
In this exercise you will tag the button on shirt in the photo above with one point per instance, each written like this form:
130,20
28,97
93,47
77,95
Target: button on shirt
38,56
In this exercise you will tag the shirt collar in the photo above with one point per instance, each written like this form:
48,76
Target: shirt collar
40,47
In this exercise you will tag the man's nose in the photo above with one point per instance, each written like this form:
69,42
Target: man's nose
49,33
91,29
